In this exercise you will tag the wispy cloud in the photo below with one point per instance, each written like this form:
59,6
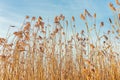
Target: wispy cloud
13,12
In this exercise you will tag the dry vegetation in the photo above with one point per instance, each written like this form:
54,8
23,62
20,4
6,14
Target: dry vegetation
39,52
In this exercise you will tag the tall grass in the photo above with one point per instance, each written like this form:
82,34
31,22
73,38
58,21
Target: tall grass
40,51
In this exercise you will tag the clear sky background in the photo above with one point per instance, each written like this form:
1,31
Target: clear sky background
12,12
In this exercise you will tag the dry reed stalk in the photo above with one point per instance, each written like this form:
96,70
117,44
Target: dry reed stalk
112,7
37,53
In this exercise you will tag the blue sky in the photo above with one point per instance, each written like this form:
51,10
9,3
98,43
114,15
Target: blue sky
12,12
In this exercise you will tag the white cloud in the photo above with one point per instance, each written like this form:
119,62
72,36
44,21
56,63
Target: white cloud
4,21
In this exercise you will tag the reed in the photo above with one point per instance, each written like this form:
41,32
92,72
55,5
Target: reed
44,52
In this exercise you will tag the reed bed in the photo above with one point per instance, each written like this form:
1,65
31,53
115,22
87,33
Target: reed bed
41,51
